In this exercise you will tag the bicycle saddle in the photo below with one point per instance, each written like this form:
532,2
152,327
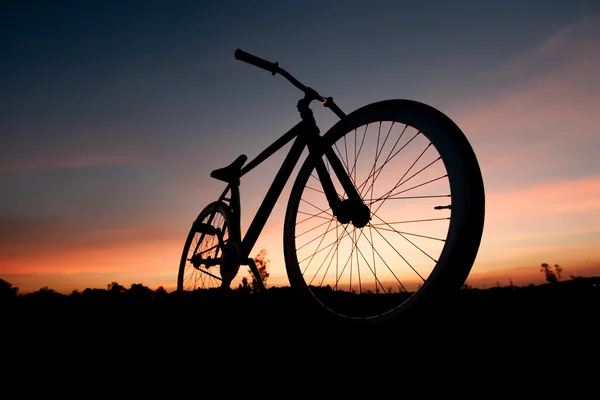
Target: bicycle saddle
231,172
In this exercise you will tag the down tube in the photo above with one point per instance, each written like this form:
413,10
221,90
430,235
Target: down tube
264,211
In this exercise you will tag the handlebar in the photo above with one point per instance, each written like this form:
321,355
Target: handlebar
256,61
273,68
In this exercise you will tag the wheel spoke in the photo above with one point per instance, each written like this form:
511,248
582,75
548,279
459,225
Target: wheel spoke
420,185
311,216
411,221
377,172
322,236
401,181
410,234
405,238
372,269
333,253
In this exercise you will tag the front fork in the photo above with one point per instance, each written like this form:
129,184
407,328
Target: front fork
352,208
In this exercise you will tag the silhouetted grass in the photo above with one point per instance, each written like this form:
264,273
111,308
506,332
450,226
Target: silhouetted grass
575,302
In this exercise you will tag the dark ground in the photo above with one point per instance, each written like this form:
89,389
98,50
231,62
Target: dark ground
520,324
571,306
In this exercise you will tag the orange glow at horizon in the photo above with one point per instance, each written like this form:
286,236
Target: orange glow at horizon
554,222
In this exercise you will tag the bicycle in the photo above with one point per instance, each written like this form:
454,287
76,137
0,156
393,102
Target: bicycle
368,236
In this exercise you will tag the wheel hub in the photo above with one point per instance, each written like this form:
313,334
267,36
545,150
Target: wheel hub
355,211
362,216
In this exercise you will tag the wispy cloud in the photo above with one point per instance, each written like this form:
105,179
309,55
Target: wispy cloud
49,236
542,121
546,200
556,221
573,46
537,139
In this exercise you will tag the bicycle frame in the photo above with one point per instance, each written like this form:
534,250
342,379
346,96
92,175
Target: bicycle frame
306,135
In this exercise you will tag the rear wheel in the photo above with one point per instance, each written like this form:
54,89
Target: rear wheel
201,262
418,175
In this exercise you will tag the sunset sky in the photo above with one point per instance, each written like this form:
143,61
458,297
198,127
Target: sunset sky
113,114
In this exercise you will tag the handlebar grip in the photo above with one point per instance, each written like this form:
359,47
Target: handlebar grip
256,61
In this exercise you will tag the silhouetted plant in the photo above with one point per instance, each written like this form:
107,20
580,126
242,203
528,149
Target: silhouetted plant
244,286
261,264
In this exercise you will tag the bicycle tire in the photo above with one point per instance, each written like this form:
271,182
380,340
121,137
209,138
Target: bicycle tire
458,249
190,278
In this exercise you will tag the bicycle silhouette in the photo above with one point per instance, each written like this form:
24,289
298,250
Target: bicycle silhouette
385,215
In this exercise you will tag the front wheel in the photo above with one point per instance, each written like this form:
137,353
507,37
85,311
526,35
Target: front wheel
418,175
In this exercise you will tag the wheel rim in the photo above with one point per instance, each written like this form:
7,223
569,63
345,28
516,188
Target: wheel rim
207,246
366,273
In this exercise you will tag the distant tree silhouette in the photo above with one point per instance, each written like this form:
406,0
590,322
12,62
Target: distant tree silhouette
550,275
7,291
139,288
96,296
44,295
558,270
114,287
138,293
160,293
